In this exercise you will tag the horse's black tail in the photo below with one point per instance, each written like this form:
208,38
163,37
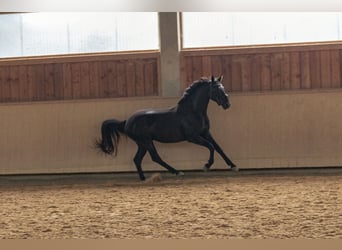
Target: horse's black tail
110,131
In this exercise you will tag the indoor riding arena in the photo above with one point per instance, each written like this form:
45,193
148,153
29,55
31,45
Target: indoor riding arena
62,76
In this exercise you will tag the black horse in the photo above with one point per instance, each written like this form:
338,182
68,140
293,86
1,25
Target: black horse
187,121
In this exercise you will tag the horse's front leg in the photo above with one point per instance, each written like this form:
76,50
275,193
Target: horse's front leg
220,151
199,140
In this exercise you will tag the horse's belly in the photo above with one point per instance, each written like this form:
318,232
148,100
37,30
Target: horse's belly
167,135
168,139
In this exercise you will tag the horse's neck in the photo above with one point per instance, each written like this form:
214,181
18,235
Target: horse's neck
197,102
200,102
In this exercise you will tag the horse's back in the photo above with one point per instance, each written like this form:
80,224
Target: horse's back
163,125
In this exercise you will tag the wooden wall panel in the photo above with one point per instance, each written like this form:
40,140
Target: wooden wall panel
67,86
139,78
23,84
148,73
246,76
315,69
30,83
85,80
14,83
130,78
121,76
76,80
197,67
274,68
94,80
325,69
187,71
265,72
227,71
305,70
276,60
295,71
38,81
335,69
58,79
216,66
236,74
5,83
285,72
112,86
256,69
79,77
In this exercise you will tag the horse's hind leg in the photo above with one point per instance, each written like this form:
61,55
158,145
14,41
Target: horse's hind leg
156,158
138,159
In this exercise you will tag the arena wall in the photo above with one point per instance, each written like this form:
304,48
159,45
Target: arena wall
286,109
269,130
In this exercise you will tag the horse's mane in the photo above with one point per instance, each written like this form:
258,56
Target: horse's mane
193,88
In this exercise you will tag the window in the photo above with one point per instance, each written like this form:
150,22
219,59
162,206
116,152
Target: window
32,34
207,29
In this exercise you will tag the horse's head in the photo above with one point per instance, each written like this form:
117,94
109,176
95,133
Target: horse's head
217,92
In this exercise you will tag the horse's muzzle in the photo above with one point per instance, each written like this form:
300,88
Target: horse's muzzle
226,105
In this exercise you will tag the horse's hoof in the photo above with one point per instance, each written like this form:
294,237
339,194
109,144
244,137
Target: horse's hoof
180,173
206,169
235,169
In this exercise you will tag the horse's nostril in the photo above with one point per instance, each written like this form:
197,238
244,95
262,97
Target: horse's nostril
225,105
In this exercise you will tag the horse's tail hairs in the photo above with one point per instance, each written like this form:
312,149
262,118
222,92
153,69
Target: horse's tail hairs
110,131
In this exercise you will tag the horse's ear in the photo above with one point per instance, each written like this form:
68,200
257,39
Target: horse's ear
220,78
212,79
